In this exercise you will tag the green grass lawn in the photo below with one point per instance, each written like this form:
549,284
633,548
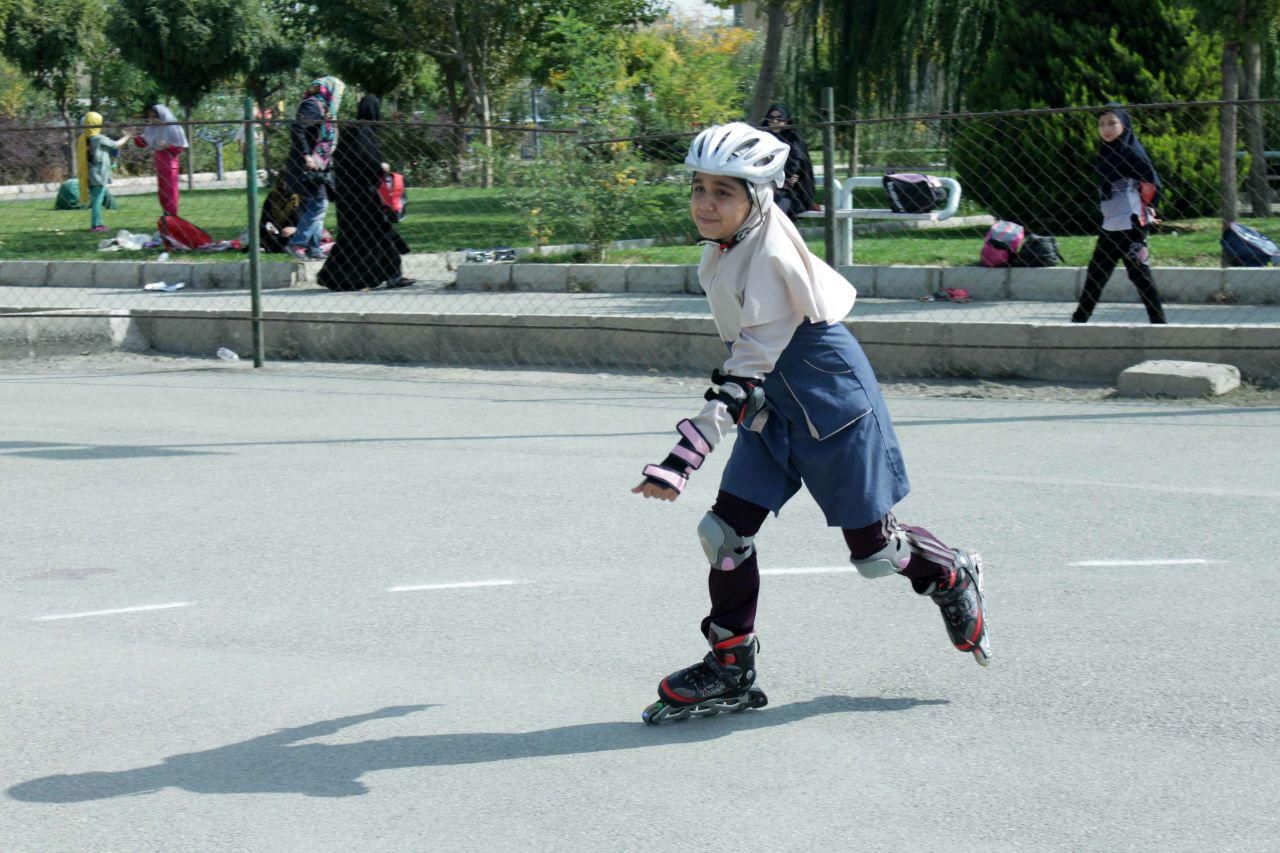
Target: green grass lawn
448,219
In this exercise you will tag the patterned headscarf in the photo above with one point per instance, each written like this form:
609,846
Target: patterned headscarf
92,127
328,91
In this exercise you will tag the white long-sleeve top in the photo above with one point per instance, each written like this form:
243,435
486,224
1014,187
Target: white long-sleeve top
759,291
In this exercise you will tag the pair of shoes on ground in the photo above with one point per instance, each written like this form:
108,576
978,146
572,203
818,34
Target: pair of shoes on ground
98,229
313,253
399,281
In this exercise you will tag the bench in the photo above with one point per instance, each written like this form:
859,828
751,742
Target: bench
845,213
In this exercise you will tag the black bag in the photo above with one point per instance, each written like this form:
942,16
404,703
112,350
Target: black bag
1248,248
912,193
1037,251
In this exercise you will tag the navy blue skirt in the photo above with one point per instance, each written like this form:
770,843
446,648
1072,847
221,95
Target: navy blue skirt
828,429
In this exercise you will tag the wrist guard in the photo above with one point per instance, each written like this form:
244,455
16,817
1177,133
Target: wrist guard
685,458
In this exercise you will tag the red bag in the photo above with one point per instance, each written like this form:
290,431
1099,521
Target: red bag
178,233
1002,243
393,197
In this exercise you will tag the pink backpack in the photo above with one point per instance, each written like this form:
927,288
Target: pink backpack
1003,241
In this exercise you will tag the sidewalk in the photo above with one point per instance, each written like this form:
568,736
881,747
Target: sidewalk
127,186
430,324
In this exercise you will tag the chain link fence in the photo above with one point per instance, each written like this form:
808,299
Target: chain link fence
524,246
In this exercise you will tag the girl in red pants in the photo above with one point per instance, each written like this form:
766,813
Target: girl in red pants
166,139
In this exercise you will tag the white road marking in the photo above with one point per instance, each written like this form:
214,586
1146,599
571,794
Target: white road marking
811,570
1174,562
459,585
1102,485
112,612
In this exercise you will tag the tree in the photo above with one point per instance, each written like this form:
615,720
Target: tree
1243,25
882,53
694,78
586,189
1038,169
189,48
46,40
479,46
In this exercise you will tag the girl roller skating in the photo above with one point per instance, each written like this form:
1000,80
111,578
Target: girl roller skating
808,411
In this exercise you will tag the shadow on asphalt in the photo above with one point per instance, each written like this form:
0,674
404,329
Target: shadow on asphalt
278,764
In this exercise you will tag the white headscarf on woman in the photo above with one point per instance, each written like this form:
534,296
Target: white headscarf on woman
770,274
760,289
172,134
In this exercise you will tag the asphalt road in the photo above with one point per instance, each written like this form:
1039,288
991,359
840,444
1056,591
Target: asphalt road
358,608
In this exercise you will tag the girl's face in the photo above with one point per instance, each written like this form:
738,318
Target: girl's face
1110,127
719,206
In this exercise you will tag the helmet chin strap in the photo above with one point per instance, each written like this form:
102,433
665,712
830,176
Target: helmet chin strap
755,218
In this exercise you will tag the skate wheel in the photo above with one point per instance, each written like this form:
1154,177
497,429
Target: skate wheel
660,712
756,698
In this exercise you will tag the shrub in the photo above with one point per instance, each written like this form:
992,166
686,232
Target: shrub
1038,168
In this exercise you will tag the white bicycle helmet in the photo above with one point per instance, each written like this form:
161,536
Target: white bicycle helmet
738,150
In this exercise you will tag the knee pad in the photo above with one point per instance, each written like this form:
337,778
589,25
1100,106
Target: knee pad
725,549
889,560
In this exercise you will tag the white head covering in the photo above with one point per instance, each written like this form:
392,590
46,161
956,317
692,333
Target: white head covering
770,274
170,133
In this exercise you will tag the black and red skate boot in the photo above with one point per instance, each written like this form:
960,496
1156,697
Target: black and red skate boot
723,681
963,607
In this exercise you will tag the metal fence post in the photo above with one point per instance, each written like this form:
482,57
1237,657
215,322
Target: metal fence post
829,174
255,270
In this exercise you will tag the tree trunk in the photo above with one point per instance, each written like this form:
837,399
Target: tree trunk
488,140
191,150
776,10
1227,138
72,165
1259,192
458,110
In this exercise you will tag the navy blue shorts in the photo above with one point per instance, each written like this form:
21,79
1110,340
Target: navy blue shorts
829,430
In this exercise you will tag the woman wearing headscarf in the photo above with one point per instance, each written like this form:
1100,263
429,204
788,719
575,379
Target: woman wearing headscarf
278,221
368,249
95,154
167,140
797,193
1128,190
312,139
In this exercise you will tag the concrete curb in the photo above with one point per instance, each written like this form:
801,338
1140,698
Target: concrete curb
105,330
897,348
134,274
201,275
1178,285
1171,378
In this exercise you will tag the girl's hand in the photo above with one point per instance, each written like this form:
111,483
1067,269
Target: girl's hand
653,490
386,167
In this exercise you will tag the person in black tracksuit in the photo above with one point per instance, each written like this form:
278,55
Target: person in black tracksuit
1129,189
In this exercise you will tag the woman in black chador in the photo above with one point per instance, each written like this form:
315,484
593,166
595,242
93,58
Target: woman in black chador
367,252
797,192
